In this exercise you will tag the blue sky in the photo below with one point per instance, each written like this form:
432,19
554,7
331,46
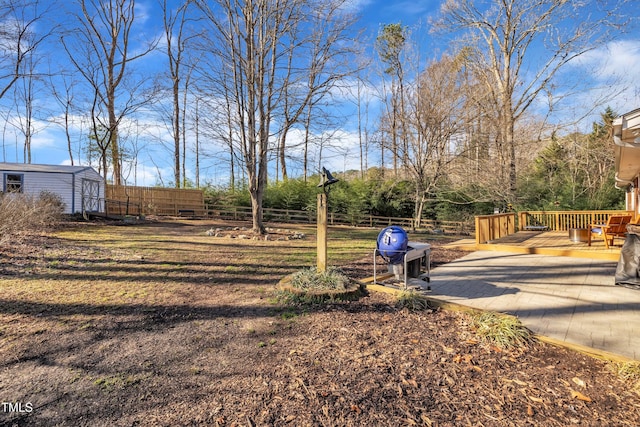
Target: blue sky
620,59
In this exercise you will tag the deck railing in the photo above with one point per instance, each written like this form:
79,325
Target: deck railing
493,227
565,220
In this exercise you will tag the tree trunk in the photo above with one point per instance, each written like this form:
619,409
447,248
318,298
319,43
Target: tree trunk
282,144
176,131
115,149
419,207
256,210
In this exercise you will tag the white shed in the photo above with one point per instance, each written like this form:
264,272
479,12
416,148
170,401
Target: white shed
81,188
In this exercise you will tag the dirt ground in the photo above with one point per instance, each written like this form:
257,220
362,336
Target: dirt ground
160,324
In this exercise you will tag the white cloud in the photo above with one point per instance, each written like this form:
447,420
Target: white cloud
356,6
141,11
618,58
606,77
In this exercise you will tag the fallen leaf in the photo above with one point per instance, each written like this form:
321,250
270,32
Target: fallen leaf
519,382
580,396
414,341
529,410
536,399
356,409
425,419
472,342
578,381
457,358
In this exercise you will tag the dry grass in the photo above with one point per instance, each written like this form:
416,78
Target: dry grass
412,301
159,324
628,371
310,279
501,330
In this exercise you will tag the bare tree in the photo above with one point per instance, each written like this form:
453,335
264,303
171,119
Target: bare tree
390,45
519,47
251,43
101,51
363,101
24,98
22,32
436,114
317,66
177,42
63,93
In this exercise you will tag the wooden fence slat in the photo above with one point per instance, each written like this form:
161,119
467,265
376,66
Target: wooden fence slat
158,201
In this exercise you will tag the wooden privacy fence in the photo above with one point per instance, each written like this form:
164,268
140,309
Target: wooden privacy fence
243,213
154,201
118,208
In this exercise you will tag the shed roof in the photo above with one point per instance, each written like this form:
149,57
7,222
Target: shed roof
24,167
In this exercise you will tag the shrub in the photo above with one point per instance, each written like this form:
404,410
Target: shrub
22,215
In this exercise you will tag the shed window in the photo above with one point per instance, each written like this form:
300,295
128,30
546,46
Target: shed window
13,183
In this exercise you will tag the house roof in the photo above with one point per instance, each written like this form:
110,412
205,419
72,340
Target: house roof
626,137
24,167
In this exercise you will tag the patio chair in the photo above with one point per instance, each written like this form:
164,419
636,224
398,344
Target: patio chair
616,226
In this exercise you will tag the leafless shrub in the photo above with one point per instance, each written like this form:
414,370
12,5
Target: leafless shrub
23,215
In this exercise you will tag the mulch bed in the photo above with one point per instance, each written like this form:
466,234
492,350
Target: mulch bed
231,356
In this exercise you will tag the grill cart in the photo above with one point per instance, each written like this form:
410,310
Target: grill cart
405,259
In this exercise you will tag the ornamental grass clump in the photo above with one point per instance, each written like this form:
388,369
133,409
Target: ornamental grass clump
628,371
333,279
500,330
412,301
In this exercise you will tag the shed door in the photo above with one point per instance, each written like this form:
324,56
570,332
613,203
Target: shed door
90,195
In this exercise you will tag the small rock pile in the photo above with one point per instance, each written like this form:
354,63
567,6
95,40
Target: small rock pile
245,233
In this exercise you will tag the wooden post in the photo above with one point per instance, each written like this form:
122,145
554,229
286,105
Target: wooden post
322,232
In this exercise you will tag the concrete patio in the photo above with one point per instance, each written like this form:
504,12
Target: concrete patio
568,299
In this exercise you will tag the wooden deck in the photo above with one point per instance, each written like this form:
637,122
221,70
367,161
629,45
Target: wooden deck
555,243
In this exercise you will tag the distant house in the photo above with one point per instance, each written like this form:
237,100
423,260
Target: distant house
626,138
81,188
